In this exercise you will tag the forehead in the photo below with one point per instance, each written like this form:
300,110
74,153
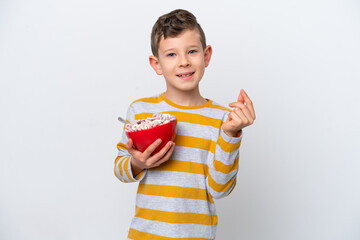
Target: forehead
185,38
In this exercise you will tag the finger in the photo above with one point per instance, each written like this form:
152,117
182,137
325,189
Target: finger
161,153
236,119
241,115
246,111
166,157
245,108
240,97
238,105
151,148
249,103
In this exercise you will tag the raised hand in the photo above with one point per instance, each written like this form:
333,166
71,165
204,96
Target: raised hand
143,160
241,116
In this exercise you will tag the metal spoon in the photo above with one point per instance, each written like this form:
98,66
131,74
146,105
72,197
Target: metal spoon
123,120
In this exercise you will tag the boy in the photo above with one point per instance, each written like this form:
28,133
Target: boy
178,184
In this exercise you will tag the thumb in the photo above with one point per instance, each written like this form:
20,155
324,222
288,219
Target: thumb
129,144
130,147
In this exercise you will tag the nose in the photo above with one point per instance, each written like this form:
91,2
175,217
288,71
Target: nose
184,61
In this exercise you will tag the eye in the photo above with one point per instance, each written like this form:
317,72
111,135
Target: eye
171,54
192,51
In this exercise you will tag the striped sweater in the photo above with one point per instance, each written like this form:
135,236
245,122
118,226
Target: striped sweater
175,199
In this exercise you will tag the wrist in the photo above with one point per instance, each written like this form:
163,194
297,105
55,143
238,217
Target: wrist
232,133
134,168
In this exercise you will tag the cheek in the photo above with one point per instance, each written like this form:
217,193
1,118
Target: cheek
166,69
200,62
163,68
201,65
170,67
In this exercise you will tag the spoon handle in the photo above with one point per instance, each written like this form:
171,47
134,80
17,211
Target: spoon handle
123,120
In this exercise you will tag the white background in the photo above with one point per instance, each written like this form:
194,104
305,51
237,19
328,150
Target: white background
69,68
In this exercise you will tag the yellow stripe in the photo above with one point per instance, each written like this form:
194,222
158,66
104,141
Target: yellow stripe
196,119
226,146
219,107
232,188
135,234
187,117
173,191
219,187
148,100
220,167
183,166
163,97
139,175
175,217
117,159
127,170
120,145
121,169
195,142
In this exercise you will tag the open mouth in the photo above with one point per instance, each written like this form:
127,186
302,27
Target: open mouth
186,75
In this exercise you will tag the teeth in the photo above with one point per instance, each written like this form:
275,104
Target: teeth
185,75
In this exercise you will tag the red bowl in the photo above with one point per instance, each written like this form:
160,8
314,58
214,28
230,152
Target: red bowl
144,138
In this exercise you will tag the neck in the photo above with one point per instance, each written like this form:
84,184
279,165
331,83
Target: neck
190,98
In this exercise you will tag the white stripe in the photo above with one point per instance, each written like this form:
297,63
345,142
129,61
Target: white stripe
189,154
144,107
124,139
197,130
173,230
178,179
175,204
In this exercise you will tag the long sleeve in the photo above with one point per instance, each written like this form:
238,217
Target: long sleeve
175,199
221,177
122,168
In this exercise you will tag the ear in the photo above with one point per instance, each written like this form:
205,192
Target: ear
155,64
207,55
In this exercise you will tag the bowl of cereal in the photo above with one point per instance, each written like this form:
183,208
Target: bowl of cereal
144,132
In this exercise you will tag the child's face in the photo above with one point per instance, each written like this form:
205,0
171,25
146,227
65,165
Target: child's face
182,61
